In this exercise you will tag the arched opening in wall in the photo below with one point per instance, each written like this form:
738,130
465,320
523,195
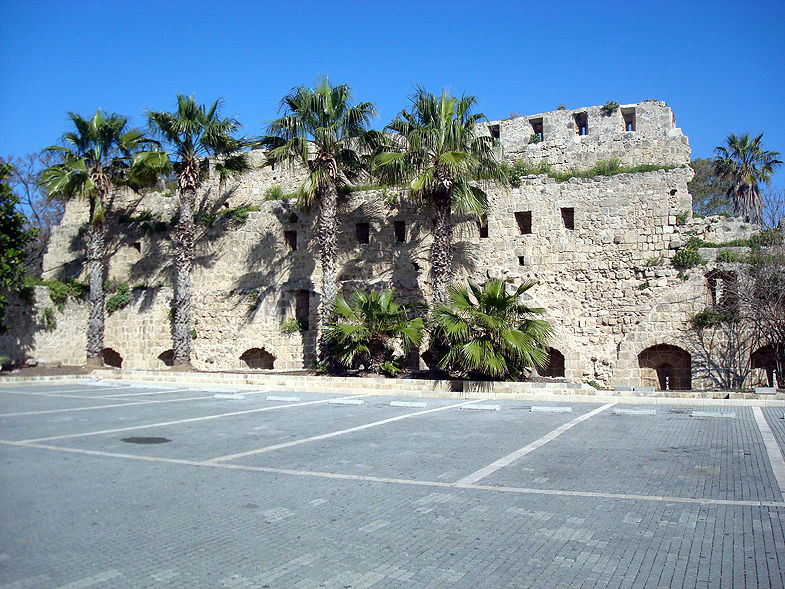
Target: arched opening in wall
554,367
665,367
112,358
166,358
258,359
763,361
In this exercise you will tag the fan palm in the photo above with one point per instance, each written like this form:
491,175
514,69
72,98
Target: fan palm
322,131
367,326
490,334
100,153
192,134
435,149
745,164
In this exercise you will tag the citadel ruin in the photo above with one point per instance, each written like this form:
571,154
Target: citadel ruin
597,246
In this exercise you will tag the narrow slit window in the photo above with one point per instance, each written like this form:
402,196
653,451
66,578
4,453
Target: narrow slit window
302,308
581,123
400,231
524,221
521,261
363,232
495,132
291,240
138,246
568,218
629,118
537,128
482,225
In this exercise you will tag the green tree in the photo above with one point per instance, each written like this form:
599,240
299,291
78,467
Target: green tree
324,133
434,148
490,334
367,327
14,238
745,165
709,193
99,154
192,134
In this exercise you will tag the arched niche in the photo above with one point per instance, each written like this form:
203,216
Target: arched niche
258,359
665,367
554,366
112,358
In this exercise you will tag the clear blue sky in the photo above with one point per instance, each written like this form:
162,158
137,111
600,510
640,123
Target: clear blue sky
719,65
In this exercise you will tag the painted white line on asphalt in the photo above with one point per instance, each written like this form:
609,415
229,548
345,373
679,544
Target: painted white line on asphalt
512,457
772,448
229,396
167,423
411,482
333,434
47,412
90,581
346,402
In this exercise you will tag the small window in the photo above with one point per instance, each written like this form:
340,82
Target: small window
302,307
495,132
521,261
629,118
524,221
568,218
581,123
400,231
291,240
537,128
363,232
482,225
138,246
226,205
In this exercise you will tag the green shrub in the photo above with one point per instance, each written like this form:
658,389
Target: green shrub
120,299
688,257
240,214
208,219
728,256
274,192
709,317
50,323
644,285
561,107
658,261
682,217
606,167
610,107
60,291
291,325
534,138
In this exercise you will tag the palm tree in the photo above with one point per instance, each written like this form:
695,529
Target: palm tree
367,327
744,164
192,134
324,133
99,154
490,334
435,149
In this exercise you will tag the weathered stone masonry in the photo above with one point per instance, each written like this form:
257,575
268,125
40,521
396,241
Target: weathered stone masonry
591,243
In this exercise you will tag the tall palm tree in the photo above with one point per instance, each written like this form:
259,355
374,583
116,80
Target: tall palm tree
99,154
192,134
322,131
490,334
435,149
368,325
745,164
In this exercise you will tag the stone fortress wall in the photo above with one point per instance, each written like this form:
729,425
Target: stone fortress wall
591,244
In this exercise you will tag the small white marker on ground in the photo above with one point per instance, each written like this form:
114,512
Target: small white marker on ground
622,411
548,409
482,407
408,404
346,402
228,396
285,399
730,415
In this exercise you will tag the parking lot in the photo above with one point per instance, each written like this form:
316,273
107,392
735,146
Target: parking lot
130,485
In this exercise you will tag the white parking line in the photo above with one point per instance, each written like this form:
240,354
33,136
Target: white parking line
772,448
47,412
510,458
166,423
334,434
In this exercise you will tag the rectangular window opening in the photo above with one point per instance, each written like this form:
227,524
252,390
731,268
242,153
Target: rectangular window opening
495,132
581,123
521,261
568,218
629,118
400,231
291,240
482,225
537,128
363,232
302,307
524,221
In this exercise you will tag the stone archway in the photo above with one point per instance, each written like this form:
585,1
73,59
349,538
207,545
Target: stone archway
258,359
112,358
555,366
167,358
665,367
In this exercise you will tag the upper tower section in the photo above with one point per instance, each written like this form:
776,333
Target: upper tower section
636,134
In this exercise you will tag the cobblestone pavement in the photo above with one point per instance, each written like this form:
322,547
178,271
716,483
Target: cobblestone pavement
119,485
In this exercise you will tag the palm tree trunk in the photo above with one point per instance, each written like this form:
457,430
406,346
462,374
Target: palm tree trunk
96,233
441,249
328,238
183,316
